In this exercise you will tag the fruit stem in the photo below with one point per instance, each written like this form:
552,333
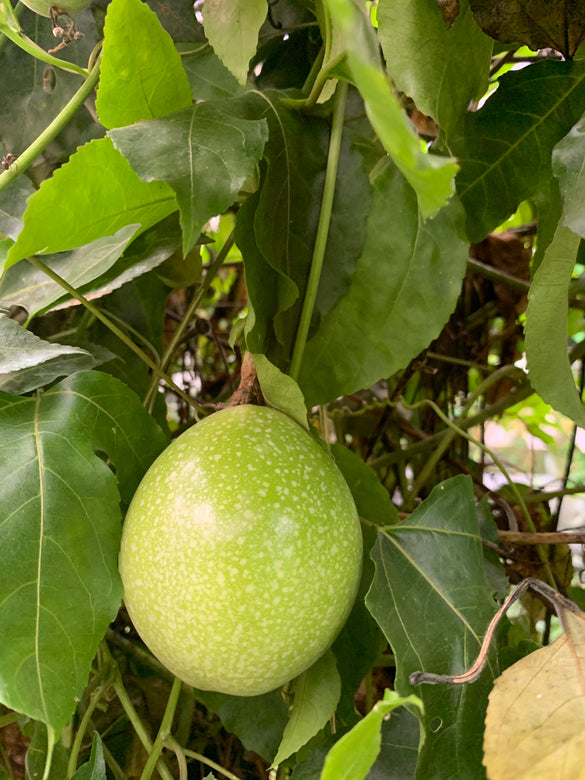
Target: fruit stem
30,154
322,230
164,731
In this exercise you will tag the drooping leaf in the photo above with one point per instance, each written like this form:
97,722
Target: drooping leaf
449,71
95,194
535,723
28,362
316,693
434,614
354,754
505,148
546,327
404,289
141,75
60,533
232,27
280,390
430,176
95,768
258,721
205,153
568,168
537,24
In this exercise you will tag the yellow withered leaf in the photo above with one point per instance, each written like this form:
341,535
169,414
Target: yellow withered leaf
535,723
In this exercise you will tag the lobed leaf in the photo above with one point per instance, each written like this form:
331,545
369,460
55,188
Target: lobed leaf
505,148
434,614
60,533
141,74
405,287
92,196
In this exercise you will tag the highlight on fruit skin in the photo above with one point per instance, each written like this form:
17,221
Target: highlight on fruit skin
241,552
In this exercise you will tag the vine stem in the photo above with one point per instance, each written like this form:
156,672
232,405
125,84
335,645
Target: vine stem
322,229
211,764
30,154
10,27
164,731
113,328
191,309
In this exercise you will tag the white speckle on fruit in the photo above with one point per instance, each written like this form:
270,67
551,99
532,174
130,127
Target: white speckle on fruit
233,590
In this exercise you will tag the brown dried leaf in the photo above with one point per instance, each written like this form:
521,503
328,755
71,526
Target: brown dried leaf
535,723
450,11
539,24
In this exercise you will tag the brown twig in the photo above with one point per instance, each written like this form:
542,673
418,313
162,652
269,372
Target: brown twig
551,537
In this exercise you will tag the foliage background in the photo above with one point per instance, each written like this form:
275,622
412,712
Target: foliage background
382,203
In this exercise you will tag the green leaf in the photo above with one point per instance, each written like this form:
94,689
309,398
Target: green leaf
95,768
205,153
316,693
430,176
141,75
568,168
32,288
60,533
371,497
354,754
208,76
28,362
399,750
405,287
257,721
280,390
232,27
546,327
95,194
449,71
505,148
97,268
37,755
434,613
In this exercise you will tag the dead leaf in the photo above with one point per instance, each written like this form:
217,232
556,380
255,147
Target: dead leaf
450,11
539,24
535,723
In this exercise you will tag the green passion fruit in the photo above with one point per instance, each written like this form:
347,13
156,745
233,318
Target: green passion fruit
241,552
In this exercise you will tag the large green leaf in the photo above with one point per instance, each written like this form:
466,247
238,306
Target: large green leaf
404,289
430,176
443,69
208,76
431,599
567,164
28,362
505,148
546,327
92,196
60,533
232,27
141,74
316,693
205,153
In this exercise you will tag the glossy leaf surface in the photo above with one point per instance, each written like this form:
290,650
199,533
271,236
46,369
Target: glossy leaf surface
434,615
